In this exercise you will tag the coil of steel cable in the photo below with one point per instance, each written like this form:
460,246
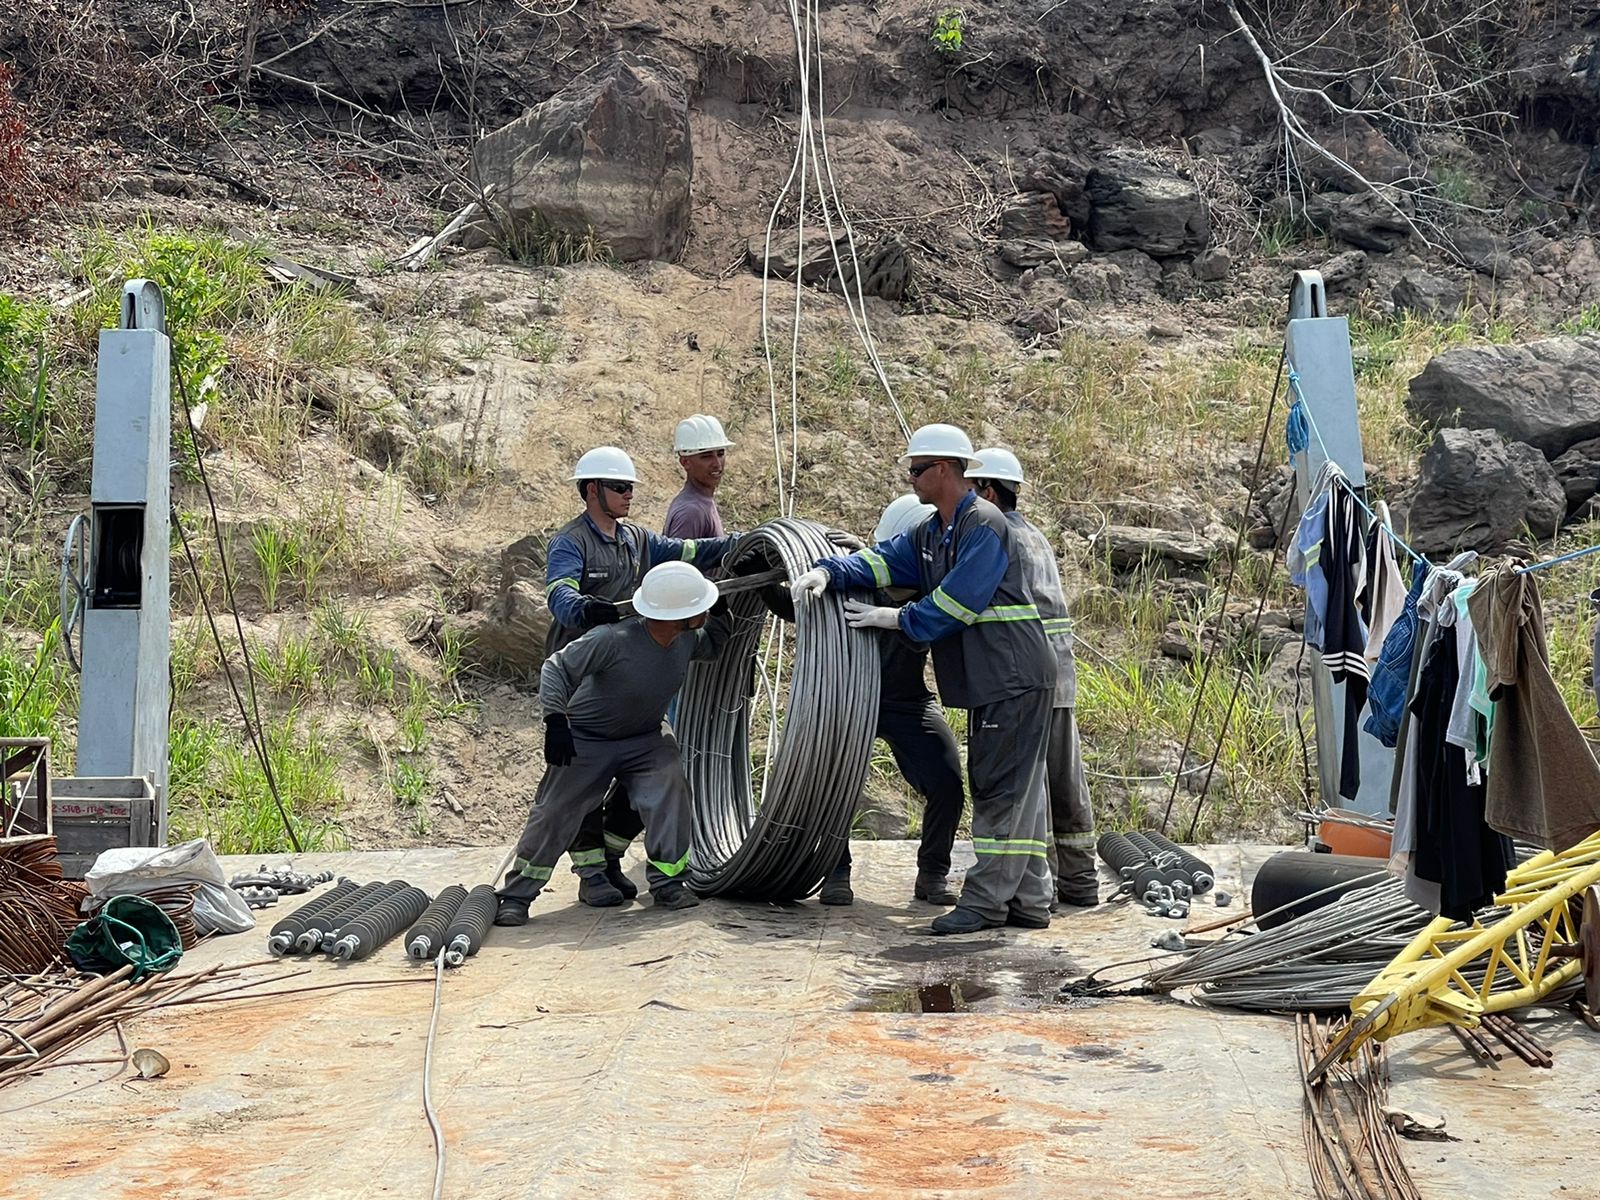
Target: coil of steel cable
781,847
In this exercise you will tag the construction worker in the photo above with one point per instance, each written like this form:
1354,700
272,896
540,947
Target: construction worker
990,657
605,699
997,476
912,723
594,561
702,449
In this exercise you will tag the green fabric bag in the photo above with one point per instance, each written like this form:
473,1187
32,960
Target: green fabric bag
127,929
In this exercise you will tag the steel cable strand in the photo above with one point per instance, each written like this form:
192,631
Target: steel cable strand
783,847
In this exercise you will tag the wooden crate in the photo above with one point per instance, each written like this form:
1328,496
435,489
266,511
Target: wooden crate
92,813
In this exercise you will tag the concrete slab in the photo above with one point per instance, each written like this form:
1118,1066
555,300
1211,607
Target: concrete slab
730,1051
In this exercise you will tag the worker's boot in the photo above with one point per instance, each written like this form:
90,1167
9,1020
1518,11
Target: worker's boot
1076,897
1018,919
674,895
963,920
618,880
935,889
511,912
836,888
595,890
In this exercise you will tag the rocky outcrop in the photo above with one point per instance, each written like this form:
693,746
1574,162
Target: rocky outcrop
885,265
1545,393
1430,296
510,634
610,154
1131,545
1579,472
1363,221
1136,205
1477,491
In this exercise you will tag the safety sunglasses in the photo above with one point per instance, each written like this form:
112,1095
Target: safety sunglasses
916,471
612,485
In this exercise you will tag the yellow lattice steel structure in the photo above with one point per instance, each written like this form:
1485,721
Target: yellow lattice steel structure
1526,955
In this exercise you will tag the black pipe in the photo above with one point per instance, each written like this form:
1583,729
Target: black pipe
281,939
321,928
427,936
363,934
471,924
1292,877
1199,870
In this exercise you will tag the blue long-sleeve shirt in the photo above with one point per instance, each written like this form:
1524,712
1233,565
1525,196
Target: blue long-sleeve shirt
961,596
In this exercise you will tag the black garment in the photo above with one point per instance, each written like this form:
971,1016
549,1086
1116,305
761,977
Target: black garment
1344,645
925,750
1455,847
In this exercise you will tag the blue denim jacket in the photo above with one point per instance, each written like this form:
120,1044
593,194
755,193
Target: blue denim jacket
1386,695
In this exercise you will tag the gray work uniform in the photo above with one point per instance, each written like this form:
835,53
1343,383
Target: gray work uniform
1071,809
999,666
580,560
613,685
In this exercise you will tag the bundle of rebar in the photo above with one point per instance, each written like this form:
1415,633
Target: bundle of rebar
1317,962
177,901
1351,1147
37,907
781,845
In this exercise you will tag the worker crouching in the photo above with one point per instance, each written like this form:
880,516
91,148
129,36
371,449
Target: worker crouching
605,698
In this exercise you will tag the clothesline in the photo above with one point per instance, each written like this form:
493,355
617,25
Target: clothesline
1298,442
1302,426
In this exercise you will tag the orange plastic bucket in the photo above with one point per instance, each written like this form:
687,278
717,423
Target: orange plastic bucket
1359,834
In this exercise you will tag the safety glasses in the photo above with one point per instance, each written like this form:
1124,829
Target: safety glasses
916,471
620,488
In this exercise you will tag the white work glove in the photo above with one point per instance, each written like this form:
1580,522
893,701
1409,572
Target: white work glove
860,615
813,583
847,542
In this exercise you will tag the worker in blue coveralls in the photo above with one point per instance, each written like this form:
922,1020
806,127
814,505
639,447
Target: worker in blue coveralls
990,656
592,563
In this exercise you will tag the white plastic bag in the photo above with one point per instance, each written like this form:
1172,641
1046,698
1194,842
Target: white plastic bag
131,870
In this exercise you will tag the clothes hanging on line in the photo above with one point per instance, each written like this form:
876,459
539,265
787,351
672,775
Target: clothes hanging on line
1385,598
1344,651
1544,782
1391,674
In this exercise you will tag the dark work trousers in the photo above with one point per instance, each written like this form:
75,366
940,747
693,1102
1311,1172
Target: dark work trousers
648,765
1006,745
609,830
925,751
1071,813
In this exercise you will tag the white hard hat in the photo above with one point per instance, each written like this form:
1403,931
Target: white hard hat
605,462
995,462
698,433
938,441
900,514
674,591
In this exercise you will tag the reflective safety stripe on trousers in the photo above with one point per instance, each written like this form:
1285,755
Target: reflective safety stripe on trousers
585,858
528,870
672,870
1026,846
1076,841
616,844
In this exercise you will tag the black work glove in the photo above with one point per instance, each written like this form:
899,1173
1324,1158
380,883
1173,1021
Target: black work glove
559,748
847,542
599,612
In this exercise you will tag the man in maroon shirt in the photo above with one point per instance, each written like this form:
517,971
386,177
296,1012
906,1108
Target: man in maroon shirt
702,449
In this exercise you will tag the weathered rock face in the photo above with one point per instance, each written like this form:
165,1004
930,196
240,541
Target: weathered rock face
1579,472
886,268
1345,272
611,154
1364,221
1373,156
1136,205
1477,491
1131,545
1545,393
510,634
1034,215
1427,295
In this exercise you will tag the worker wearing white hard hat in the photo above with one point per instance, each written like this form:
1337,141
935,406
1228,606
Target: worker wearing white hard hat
604,697
990,656
702,449
998,477
914,726
592,563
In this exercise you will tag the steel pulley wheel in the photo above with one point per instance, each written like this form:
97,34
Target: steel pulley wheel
815,686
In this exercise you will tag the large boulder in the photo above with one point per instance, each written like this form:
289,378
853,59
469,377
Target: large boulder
1129,546
611,154
1365,221
1579,472
509,635
1545,393
1373,157
1427,295
1477,491
885,263
1136,205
